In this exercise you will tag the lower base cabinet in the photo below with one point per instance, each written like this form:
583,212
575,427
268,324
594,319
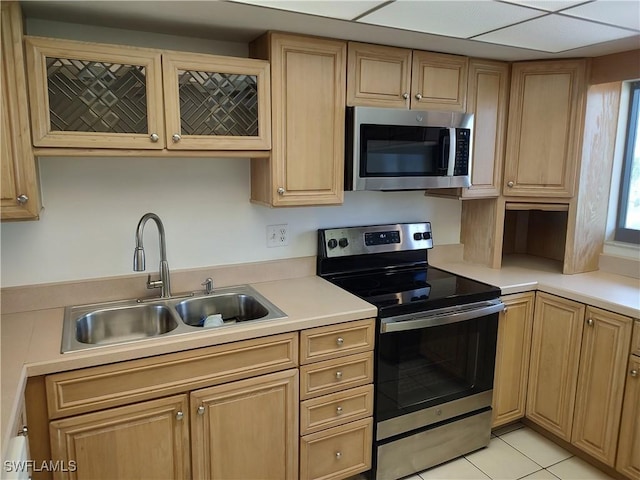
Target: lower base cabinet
628,461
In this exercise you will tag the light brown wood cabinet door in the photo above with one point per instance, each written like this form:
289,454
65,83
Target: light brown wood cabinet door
545,128
20,195
512,358
553,369
91,95
601,379
628,462
145,440
439,82
216,103
488,98
246,429
306,166
378,76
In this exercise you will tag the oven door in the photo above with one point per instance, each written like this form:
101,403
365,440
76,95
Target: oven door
434,366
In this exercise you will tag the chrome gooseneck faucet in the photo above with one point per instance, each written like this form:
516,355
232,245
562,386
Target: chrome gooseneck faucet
138,256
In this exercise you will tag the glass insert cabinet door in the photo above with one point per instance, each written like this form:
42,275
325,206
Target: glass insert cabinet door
94,95
216,103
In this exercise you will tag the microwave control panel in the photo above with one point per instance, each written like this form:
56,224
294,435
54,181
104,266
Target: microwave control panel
463,140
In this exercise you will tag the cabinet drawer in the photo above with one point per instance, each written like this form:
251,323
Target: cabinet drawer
635,341
96,388
335,375
336,409
338,452
334,341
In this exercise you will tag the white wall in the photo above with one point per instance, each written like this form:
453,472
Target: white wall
92,205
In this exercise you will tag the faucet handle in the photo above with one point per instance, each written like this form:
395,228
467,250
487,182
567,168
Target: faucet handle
151,284
208,285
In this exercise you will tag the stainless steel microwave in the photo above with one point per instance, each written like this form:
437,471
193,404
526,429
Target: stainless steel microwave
398,149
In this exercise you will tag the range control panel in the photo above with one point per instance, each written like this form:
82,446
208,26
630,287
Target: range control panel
341,242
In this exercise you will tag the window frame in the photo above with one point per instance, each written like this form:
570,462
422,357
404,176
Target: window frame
623,234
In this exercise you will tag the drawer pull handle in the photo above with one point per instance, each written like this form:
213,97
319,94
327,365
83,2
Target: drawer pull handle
338,375
340,341
633,373
339,410
200,410
338,455
179,416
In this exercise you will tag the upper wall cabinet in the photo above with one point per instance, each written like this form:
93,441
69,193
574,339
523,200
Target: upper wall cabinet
545,126
19,189
306,166
380,76
95,96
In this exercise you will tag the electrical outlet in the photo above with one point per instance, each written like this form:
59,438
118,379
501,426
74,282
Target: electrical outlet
278,235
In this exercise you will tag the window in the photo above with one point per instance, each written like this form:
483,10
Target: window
628,222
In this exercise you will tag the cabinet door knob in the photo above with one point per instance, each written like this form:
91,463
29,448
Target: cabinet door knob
590,322
200,410
338,410
154,137
418,96
22,199
23,431
176,137
405,95
338,455
510,184
280,191
340,341
179,415
338,375
633,373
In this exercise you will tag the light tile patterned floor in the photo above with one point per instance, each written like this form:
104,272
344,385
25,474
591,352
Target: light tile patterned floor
516,452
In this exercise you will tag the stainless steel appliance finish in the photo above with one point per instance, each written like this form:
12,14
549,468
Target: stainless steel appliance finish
435,345
450,163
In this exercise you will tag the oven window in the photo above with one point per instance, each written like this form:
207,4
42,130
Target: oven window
392,151
421,368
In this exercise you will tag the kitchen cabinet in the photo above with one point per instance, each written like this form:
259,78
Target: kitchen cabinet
336,414
628,460
380,76
577,373
546,112
20,192
255,417
512,358
195,403
555,356
306,165
146,440
112,98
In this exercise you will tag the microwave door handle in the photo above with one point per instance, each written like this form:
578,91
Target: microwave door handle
437,320
452,152
444,139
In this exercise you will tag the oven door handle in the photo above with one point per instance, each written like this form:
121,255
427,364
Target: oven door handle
434,320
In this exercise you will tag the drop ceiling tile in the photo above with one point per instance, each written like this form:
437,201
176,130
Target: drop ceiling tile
623,13
462,19
554,33
344,10
548,5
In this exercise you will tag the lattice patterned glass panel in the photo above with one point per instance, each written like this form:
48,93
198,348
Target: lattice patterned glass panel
218,103
87,96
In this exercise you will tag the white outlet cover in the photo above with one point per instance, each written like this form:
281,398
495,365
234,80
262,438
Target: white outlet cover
278,235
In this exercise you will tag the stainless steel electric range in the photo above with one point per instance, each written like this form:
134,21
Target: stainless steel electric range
435,346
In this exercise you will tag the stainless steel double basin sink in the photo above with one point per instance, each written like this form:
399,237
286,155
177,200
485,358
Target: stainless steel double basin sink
90,326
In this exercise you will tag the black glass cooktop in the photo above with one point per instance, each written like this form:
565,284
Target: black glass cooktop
403,291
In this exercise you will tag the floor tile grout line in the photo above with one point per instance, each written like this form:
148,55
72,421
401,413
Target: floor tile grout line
483,472
525,476
563,460
541,466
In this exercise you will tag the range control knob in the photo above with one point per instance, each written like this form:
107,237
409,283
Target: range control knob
417,236
343,242
426,235
333,243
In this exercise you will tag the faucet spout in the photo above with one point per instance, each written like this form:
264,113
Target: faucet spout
138,255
